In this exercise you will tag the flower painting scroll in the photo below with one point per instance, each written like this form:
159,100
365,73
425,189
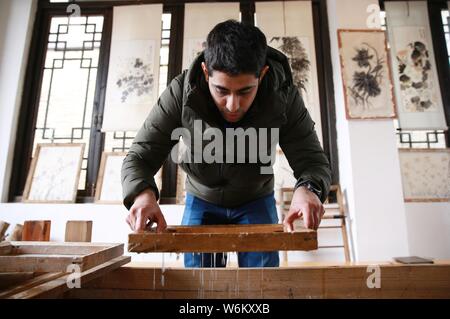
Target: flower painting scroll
414,67
366,74
298,53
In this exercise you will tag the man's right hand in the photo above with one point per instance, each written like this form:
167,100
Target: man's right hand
146,210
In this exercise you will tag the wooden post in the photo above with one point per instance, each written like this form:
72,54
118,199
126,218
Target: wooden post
3,228
16,234
78,231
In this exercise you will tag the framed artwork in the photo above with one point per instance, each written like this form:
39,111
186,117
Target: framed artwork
366,74
425,174
54,173
133,74
109,184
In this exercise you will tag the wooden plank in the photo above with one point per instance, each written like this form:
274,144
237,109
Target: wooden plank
56,257
57,248
333,281
30,284
222,239
57,287
40,263
102,256
78,231
14,278
36,230
6,248
229,229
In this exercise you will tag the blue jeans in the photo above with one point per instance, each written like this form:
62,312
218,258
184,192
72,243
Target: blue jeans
260,211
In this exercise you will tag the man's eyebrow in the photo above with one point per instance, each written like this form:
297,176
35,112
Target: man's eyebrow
225,89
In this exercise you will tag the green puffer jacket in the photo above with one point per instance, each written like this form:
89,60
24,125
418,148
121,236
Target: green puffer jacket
278,104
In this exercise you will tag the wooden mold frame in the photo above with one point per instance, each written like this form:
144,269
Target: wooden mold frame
54,257
41,270
222,238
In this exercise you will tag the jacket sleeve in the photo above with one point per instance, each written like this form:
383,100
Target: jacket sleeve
299,142
152,144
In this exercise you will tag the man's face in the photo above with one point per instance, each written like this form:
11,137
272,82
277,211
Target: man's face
233,95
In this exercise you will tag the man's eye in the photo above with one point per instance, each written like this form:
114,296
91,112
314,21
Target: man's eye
245,92
221,92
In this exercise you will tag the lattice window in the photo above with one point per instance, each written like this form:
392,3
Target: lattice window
68,83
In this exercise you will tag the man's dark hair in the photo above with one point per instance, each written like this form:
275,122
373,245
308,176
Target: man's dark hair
235,48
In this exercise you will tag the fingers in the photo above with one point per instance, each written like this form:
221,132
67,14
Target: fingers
309,217
290,218
312,216
141,222
131,219
138,220
128,222
161,223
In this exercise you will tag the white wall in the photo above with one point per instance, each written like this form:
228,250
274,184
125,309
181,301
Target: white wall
16,23
109,224
429,229
368,158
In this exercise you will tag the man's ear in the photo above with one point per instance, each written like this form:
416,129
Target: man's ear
205,71
263,72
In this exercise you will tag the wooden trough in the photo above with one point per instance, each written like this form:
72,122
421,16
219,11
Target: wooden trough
319,280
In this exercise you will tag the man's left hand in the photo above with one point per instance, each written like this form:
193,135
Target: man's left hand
304,203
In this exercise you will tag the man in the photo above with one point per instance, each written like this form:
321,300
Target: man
237,82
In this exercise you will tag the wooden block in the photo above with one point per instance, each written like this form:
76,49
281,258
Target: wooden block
36,230
3,228
78,231
222,238
16,234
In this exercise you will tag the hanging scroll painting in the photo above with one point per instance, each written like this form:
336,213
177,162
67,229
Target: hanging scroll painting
133,73
417,88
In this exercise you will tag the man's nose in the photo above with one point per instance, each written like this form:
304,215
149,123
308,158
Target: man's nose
232,103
